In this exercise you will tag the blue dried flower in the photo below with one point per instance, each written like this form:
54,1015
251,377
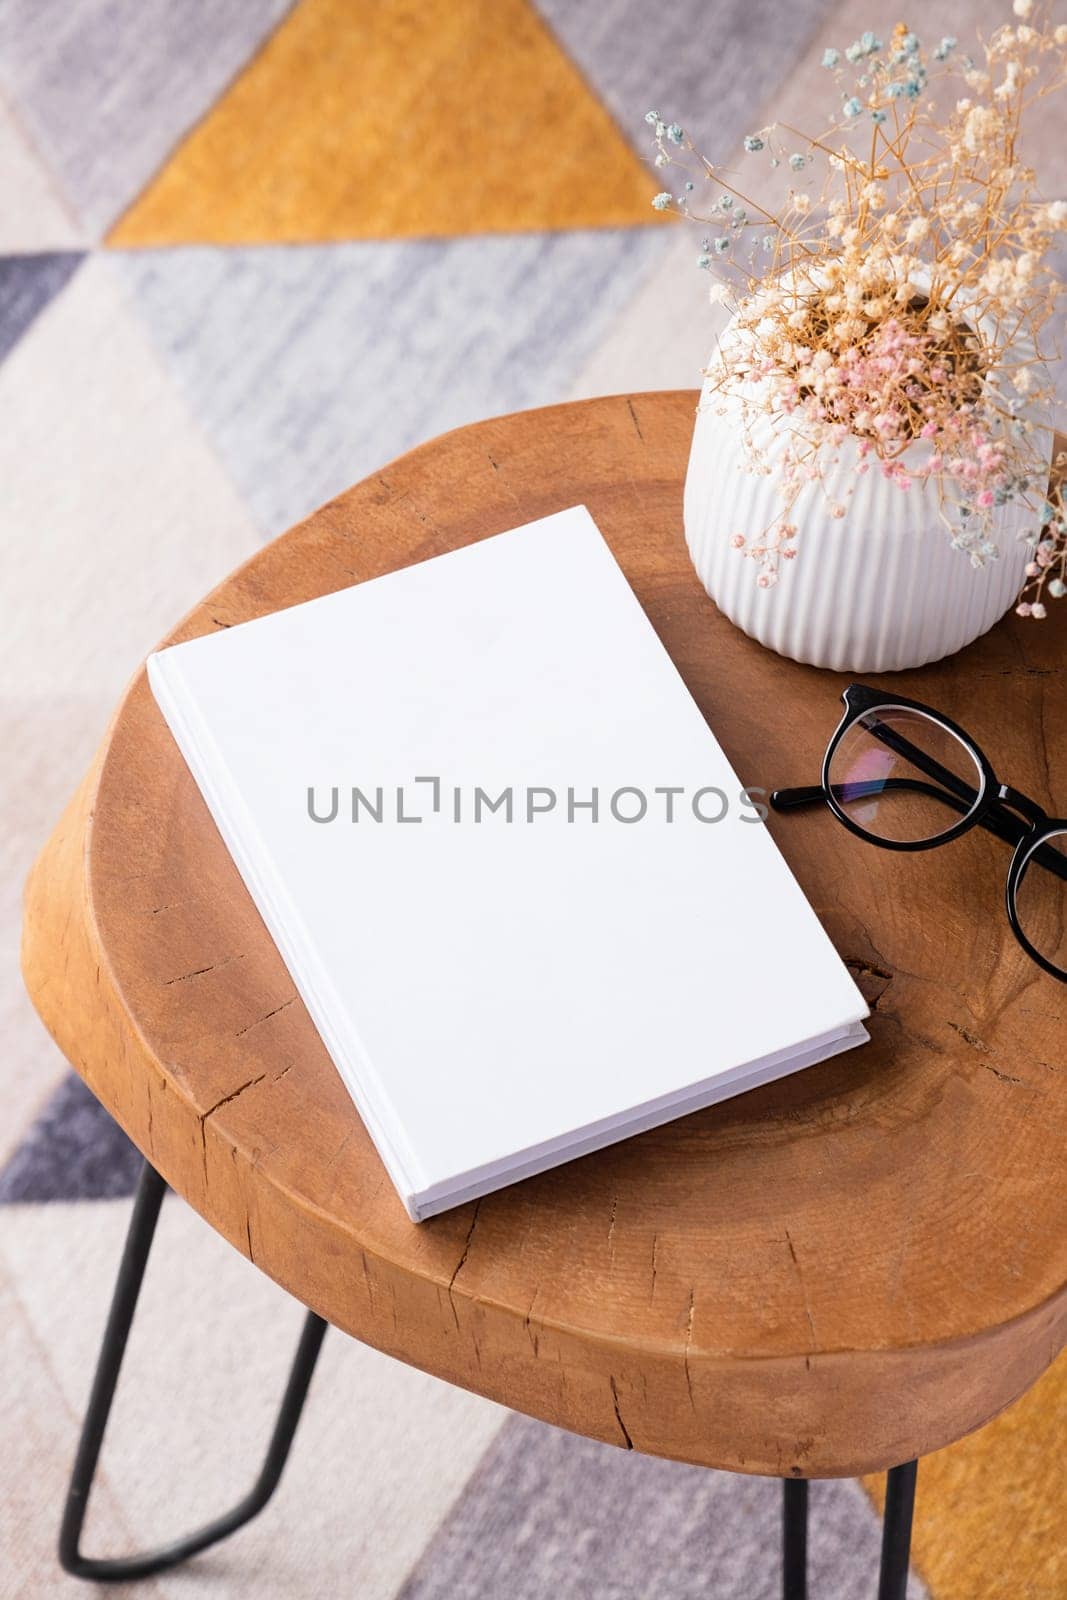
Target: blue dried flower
652,117
675,133
753,143
703,261
853,107
877,116
797,162
831,57
945,48
721,246
660,202
726,202
868,44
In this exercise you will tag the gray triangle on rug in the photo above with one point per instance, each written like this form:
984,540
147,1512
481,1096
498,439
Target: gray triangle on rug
73,1151
27,284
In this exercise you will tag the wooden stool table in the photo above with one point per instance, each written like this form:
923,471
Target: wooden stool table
831,1275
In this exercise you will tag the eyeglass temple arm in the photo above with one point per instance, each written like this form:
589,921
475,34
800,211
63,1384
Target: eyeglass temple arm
791,799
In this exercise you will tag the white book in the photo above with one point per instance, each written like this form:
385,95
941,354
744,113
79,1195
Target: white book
502,989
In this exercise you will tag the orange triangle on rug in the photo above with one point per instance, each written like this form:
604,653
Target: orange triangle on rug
406,118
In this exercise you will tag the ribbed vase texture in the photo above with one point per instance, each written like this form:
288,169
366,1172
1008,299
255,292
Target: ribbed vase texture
880,589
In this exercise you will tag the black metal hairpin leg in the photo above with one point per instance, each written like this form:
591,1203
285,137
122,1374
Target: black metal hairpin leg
794,1539
896,1531
896,1535
150,1192
900,1486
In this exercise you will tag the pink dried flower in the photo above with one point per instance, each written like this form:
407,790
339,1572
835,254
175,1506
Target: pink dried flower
909,302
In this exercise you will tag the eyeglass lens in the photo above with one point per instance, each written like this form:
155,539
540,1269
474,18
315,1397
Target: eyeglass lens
904,777
1041,899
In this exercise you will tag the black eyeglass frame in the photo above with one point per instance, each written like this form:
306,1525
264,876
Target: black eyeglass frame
1005,811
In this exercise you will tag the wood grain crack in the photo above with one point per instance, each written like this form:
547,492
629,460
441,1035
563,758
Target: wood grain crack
462,1262
233,1095
970,1038
198,972
266,1017
1005,1077
531,1334
872,979
210,1112
629,1444
688,1342
803,1289
368,1281
1020,672
983,1049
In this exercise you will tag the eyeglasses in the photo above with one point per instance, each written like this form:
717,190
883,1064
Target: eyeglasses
904,777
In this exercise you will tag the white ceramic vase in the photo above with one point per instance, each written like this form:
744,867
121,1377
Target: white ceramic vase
881,589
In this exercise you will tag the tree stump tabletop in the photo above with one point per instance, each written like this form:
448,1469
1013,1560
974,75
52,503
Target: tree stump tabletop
829,1275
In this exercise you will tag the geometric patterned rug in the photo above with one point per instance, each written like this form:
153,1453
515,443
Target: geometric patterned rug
248,253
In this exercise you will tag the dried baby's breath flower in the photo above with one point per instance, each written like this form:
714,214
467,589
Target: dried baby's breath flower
899,298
